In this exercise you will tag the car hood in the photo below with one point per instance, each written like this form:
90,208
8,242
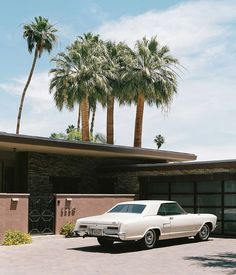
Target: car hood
110,218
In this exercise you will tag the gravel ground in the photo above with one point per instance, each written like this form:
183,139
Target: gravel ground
57,255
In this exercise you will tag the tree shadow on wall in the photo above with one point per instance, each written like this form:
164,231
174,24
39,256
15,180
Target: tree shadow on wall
225,261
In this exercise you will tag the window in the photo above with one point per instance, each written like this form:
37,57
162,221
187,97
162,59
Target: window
167,209
230,200
230,214
182,187
230,186
184,199
156,186
208,200
230,228
209,187
128,208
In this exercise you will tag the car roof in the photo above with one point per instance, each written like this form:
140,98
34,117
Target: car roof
147,202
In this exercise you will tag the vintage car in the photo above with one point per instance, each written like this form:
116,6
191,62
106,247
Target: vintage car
147,222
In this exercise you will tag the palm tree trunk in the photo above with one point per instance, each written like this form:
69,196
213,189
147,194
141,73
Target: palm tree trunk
24,91
92,120
78,121
110,120
85,120
139,122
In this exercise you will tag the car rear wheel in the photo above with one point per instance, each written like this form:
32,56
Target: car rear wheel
149,240
104,242
203,234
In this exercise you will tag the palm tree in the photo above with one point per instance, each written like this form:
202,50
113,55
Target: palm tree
151,78
79,75
159,140
92,109
41,37
117,60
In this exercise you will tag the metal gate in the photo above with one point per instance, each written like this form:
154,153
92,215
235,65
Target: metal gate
41,215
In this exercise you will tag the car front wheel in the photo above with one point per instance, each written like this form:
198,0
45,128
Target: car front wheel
203,234
104,242
149,240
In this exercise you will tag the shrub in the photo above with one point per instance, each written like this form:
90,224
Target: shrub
14,237
67,230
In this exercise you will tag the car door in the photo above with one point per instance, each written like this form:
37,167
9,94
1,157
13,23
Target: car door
164,222
181,224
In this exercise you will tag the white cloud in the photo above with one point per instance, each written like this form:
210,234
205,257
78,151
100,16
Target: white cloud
40,116
38,88
184,27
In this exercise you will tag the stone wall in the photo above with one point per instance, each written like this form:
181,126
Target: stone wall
43,166
13,212
127,183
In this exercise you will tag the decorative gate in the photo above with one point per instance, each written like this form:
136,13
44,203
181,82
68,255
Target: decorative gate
41,215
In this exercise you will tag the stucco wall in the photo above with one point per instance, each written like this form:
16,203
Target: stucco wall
13,212
71,207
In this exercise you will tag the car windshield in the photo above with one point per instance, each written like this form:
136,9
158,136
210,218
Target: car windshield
128,208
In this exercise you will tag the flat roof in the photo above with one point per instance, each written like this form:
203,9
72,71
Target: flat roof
25,143
190,165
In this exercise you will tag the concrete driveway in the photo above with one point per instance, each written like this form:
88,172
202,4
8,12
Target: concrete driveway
57,255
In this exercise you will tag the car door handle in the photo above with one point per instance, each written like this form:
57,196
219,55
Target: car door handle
171,218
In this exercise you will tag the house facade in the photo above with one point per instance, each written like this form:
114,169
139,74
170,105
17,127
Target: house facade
56,181
52,182
200,187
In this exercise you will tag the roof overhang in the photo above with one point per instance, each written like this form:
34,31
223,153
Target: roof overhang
23,143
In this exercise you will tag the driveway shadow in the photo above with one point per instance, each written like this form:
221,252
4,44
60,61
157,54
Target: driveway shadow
128,247
226,261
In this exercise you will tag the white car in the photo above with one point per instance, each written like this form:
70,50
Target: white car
147,222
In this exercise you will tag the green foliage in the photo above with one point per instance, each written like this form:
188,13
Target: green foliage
159,140
58,136
105,72
100,138
67,230
73,135
14,237
40,35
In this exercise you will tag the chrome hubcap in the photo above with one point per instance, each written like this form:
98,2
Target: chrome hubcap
150,237
204,232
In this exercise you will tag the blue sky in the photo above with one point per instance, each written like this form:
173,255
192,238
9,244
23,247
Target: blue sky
201,34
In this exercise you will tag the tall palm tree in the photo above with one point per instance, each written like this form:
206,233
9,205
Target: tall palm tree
41,37
152,78
79,75
118,59
92,99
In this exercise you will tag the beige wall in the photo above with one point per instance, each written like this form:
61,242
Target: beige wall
71,207
13,212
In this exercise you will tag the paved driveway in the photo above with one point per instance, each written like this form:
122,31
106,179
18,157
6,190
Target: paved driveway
56,255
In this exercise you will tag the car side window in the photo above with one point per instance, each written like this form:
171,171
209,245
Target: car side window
168,209
162,210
